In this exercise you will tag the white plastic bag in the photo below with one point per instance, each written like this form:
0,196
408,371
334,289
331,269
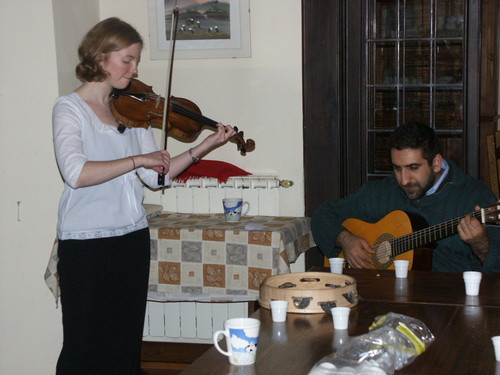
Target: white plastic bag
393,341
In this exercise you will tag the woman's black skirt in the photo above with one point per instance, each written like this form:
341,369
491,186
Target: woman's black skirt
104,284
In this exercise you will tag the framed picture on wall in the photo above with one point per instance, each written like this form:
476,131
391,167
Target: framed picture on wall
206,29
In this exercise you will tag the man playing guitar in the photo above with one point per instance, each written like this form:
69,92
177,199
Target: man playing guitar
425,185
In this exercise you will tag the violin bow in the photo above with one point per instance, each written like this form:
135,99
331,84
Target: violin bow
166,108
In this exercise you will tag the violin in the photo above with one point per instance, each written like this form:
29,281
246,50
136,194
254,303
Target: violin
138,106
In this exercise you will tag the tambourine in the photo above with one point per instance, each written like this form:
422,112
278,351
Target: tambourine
309,292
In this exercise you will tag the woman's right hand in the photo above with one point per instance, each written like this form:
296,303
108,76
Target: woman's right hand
159,161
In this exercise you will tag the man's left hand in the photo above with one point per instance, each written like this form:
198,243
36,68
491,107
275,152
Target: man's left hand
473,233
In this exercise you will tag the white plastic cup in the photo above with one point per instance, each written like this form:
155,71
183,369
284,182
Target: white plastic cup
279,310
340,317
233,209
401,267
336,265
472,281
242,336
496,345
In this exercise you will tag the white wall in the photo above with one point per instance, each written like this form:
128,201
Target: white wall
30,332
261,95
72,19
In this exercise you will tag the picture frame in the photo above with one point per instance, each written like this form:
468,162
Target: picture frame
199,35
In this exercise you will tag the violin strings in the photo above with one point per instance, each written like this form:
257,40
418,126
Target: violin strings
182,110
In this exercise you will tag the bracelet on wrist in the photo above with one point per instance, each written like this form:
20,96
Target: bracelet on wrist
133,161
195,159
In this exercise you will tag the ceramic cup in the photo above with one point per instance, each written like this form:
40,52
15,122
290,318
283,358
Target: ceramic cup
242,336
233,209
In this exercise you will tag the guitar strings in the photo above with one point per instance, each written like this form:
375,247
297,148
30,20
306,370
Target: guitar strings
425,236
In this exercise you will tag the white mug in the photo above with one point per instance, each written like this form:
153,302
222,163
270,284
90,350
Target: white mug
242,337
233,209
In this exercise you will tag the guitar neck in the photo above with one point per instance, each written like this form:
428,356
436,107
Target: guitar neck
428,235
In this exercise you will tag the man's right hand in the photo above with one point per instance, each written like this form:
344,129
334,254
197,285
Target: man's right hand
356,250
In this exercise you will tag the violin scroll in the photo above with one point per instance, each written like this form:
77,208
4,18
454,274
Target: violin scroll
242,145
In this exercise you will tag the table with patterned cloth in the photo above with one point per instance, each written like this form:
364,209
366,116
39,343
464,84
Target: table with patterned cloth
203,255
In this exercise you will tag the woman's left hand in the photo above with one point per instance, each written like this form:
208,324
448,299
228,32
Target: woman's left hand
221,135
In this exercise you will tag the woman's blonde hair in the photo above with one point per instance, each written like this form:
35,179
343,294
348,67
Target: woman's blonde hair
111,34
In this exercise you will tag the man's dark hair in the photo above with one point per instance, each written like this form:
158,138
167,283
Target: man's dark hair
416,135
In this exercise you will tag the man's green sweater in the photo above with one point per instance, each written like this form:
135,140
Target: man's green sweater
456,197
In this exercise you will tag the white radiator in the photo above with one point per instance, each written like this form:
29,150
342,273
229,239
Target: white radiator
204,195
195,322
191,322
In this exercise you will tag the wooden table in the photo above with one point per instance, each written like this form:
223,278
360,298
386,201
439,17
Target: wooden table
423,287
462,326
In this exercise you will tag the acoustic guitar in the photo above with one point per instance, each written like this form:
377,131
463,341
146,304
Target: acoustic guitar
393,238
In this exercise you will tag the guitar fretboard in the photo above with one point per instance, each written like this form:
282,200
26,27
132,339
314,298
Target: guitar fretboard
428,235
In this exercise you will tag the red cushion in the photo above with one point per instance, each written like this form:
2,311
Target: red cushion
211,168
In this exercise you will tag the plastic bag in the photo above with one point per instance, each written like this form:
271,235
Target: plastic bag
393,341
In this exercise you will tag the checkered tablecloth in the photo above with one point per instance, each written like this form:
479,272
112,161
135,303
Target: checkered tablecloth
203,254
197,257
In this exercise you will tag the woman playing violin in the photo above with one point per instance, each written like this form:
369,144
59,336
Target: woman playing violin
104,247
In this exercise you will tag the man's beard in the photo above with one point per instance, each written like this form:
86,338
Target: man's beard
416,191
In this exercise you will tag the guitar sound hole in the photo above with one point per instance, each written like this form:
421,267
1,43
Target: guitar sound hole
383,253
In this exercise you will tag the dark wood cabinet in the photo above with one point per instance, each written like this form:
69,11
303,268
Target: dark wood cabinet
415,60
372,65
